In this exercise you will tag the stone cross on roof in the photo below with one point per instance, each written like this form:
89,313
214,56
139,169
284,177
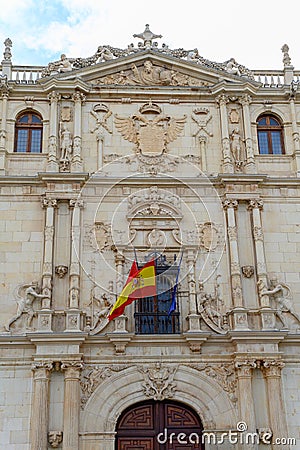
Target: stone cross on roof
147,36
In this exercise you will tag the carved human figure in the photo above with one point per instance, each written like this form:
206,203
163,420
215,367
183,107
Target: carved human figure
232,67
281,295
104,54
65,143
25,304
64,65
236,147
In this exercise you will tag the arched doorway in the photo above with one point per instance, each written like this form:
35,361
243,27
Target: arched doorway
166,425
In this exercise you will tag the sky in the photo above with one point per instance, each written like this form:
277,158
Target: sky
253,33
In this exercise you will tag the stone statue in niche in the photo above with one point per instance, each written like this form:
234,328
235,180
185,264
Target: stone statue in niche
282,298
65,147
236,148
26,295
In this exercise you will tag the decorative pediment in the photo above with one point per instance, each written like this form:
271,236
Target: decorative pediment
147,64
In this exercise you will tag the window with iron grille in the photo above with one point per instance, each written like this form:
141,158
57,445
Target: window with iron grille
28,133
152,313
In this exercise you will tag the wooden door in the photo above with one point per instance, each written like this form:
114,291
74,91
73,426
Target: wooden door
157,426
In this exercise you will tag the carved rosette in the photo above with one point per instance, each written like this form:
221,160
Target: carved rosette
158,381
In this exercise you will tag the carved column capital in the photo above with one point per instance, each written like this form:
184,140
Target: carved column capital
255,203
54,96
272,368
79,97
245,100
222,100
76,203
72,369
42,369
48,202
244,367
230,203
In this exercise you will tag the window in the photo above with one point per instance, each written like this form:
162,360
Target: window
270,136
28,133
152,313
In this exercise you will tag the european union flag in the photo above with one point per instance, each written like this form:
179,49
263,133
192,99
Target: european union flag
173,303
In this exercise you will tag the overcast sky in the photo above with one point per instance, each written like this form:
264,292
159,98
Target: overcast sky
252,32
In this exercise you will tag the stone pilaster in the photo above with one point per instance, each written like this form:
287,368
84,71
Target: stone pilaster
228,167
193,317
71,371
73,313
76,162
244,370
296,137
277,416
45,314
202,143
239,312
40,406
52,163
250,161
4,94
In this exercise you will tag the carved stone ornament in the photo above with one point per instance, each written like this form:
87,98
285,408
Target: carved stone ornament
61,271
55,438
223,373
151,130
159,384
101,303
101,114
93,376
106,53
209,236
26,295
248,271
202,116
211,309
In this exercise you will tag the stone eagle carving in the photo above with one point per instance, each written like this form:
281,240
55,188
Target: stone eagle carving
151,135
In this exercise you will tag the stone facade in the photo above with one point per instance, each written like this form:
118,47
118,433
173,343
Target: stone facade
146,151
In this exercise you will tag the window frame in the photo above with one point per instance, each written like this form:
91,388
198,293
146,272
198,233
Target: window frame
269,128
29,126
156,314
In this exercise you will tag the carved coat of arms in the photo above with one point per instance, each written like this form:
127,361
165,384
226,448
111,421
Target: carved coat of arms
150,130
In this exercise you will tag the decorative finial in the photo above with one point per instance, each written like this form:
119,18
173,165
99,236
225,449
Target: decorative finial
286,57
147,36
7,51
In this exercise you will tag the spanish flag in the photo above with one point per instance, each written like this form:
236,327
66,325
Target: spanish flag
140,283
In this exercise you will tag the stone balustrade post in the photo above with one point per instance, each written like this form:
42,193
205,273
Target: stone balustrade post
193,317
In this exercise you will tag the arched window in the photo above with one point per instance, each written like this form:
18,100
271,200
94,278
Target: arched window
270,135
152,313
28,133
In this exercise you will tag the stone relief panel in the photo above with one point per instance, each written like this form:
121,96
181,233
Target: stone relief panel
159,381
93,376
150,74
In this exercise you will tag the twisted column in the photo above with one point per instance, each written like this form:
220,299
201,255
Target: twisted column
40,405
